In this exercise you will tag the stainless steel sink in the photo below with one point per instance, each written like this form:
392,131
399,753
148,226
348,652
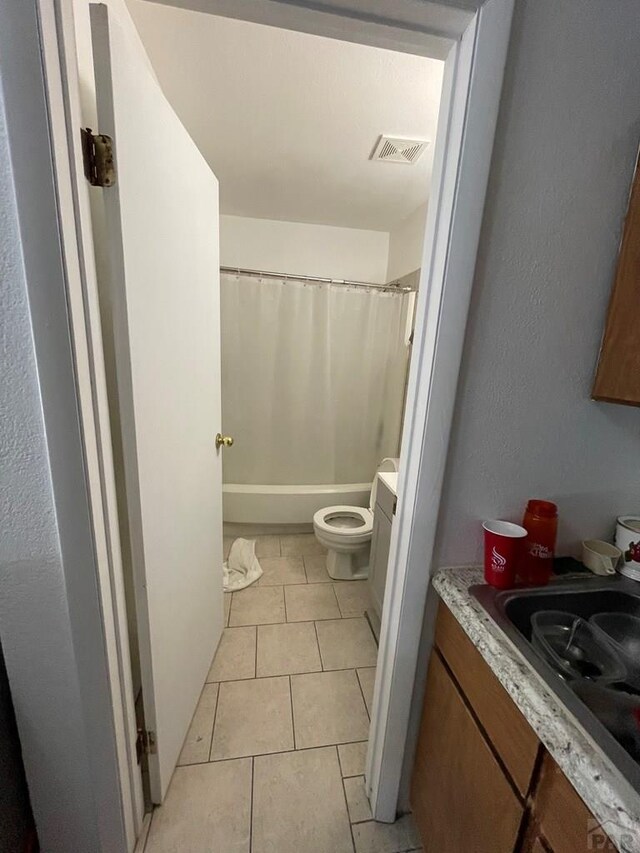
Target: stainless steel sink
512,610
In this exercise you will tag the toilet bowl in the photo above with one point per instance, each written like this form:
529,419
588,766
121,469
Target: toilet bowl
345,531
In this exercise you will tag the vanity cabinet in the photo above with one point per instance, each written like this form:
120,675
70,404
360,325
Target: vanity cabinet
461,797
383,513
482,781
618,375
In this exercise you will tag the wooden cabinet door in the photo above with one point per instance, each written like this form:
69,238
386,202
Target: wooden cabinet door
563,819
460,797
618,376
512,737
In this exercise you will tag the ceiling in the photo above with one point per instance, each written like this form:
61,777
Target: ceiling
288,120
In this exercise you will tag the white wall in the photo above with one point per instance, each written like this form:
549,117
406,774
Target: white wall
406,242
34,620
300,248
565,148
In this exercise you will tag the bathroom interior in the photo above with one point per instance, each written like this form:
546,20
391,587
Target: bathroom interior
323,200
323,151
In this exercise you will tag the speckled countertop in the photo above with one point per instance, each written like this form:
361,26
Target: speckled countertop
608,795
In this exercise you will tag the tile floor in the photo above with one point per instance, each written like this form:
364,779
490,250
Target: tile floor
274,759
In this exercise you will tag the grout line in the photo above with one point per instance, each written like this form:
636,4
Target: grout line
346,802
215,716
284,598
280,546
366,707
333,587
276,752
255,660
293,722
286,674
319,647
251,806
213,722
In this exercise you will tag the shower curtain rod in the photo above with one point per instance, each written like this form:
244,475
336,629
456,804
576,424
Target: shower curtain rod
318,279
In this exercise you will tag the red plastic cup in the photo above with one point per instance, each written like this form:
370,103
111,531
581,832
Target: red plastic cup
503,544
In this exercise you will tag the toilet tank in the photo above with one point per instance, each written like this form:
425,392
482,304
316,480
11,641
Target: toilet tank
387,464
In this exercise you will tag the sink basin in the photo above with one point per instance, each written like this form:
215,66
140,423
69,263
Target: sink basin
597,597
512,610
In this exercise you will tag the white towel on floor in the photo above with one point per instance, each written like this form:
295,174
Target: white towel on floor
242,567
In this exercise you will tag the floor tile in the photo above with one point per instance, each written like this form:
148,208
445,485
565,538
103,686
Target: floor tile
352,758
346,643
253,717
353,597
267,546
281,570
236,655
287,649
227,607
257,605
315,566
207,810
327,709
367,679
398,837
311,601
198,740
298,804
300,544
357,800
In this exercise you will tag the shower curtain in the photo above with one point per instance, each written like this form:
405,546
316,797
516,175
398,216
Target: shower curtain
313,379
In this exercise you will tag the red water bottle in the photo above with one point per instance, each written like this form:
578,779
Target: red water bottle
541,523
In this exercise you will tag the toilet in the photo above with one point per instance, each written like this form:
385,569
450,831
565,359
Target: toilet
345,531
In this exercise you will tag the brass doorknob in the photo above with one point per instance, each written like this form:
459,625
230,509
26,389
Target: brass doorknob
223,441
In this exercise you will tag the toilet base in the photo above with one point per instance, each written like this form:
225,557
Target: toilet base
348,566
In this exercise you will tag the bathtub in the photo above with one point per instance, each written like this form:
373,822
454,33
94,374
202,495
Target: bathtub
287,504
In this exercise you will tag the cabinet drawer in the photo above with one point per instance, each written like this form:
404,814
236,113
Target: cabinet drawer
511,735
562,817
460,797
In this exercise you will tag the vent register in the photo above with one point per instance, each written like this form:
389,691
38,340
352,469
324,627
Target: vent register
392,149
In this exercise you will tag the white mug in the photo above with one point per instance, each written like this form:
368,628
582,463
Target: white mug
628,540
600,557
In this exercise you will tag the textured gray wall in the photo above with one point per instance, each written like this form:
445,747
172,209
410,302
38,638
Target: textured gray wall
565,148
34,626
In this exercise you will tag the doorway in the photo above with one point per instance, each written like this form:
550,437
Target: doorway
317,292
450,132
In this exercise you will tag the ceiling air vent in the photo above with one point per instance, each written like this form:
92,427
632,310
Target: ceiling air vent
395,150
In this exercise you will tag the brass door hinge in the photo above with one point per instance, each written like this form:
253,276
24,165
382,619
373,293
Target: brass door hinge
146,744
97,154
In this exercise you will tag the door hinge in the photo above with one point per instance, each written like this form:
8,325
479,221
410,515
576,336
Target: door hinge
97,154
146,744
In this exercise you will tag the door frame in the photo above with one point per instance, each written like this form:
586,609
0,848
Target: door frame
474,45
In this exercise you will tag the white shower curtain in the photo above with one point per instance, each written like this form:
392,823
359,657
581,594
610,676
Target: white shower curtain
313,379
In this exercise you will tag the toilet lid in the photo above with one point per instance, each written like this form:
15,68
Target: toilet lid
346,520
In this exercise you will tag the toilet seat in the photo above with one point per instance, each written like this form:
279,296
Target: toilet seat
346,532
351,523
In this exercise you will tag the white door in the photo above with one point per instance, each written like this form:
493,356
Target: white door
162,235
